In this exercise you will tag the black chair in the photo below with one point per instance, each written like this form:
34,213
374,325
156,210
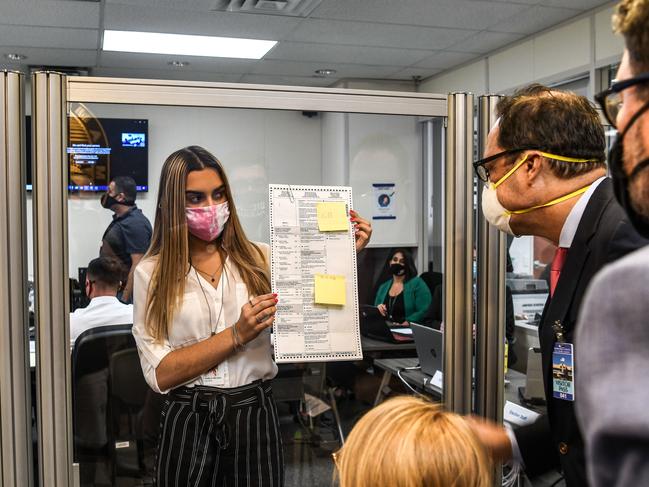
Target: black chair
435,283
127,398
92,428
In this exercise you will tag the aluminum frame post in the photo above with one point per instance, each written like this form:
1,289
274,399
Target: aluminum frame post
492,261
15,403
50,206
458,254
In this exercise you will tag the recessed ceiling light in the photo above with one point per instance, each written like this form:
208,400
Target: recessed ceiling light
185,45
13,56
178,64
325,72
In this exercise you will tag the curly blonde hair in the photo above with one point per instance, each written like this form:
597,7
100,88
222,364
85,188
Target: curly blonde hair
631,19
410,442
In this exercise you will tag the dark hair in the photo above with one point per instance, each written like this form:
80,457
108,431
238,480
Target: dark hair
106,272
411,269
126,185
557,122
631,19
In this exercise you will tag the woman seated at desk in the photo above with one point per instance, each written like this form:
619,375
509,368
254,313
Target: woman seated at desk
405,298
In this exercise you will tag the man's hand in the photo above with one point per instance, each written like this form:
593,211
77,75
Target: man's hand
362,230
494,438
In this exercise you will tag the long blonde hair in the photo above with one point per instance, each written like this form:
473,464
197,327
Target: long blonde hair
410,442
170,241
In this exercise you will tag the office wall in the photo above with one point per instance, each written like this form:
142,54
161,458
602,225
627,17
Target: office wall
258,147
572,49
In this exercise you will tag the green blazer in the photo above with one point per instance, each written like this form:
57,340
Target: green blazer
416,298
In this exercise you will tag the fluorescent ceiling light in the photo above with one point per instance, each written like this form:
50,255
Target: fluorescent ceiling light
185,45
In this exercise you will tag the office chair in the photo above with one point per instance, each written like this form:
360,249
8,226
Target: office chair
90,401
127,398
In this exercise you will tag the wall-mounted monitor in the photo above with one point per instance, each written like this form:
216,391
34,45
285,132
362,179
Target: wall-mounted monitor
100,149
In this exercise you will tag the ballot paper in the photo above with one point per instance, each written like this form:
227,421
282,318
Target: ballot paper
313,271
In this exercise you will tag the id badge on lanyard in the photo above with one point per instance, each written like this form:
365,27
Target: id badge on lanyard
219,375
563,366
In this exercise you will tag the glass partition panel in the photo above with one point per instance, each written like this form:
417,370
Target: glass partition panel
117,412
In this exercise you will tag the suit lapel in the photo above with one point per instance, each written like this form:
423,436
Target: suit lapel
558,307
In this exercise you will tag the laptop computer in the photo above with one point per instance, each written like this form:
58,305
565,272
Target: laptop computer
374,325
430,345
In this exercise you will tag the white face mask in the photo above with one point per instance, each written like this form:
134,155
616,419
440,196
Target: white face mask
499,216
495,213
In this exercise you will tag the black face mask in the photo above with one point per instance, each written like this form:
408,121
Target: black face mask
108,201
397,269
621,180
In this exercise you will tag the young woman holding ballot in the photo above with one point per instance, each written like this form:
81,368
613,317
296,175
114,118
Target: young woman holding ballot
202,312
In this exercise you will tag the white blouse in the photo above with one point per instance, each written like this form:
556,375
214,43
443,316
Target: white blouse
204,311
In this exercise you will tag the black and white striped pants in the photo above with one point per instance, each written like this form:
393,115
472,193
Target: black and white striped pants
220,437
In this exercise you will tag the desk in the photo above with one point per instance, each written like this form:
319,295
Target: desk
416,378
372,345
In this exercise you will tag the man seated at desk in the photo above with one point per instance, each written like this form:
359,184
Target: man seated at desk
405,298
103,282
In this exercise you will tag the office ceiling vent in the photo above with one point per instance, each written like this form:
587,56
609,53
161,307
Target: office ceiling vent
291,8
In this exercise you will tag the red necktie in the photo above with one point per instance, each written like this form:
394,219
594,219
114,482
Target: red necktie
557,265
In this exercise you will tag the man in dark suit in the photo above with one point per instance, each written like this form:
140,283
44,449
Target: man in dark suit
546,175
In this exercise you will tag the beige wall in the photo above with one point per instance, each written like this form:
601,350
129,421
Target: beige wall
571,49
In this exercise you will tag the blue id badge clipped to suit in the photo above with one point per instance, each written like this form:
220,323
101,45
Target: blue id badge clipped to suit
563,372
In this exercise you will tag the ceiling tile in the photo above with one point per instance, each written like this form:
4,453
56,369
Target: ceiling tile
445,59
485,41
577,4
306,69
203,5
369,34
161,61
160,19
14,35
335,53
287,80
534,20
51,57
50,13
408,73
460,14
166,74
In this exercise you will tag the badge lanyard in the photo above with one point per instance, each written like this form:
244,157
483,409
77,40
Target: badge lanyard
217,376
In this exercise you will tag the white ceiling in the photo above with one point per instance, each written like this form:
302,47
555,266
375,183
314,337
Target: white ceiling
377,39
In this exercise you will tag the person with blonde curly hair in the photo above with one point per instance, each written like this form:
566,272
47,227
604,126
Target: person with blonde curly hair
411,442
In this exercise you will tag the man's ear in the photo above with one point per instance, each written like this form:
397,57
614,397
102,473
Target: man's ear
533,166
120,197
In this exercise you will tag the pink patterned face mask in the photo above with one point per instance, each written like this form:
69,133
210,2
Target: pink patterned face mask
207,222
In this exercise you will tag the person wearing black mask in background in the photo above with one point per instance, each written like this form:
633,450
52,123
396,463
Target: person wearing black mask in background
612,331
129,234
405,298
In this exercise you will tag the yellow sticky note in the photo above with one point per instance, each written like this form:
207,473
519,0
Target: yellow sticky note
332,217
330,289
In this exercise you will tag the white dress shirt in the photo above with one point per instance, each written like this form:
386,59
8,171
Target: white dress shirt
571,224
203,311
566,237
102,311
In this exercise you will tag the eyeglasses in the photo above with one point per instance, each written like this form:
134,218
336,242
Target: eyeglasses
611,100
483,172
